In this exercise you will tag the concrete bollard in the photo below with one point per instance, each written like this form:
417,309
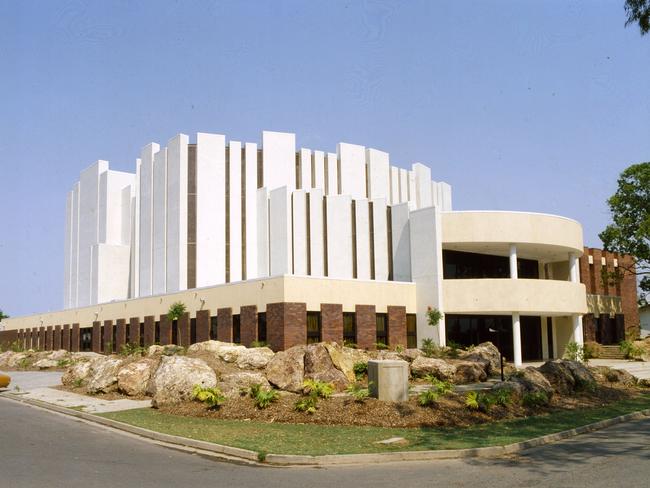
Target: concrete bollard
389,380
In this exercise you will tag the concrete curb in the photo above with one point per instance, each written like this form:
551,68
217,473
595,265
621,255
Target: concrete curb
335,459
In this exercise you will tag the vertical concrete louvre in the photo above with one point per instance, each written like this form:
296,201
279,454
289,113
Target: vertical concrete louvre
366,326
75,338
224,324
286,325
332,322
149,330
184,330
56,340
65,337
120,335
97,336
109,346
396,326
248,325
165,330
202,325
134,331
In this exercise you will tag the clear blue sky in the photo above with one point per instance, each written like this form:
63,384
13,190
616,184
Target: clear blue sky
534,105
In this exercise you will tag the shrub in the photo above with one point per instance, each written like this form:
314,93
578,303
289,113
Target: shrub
307,404
592,350
318,388
263,397
358,392
480,401
349,343
536,399
212,397
78,383
381,346
440,386
429,348
399,348
428,398
15,346
360,369
24,363
62,363
176,310
630,350
471,400
259,344
574,352
132,349
503,397
434,316
453,349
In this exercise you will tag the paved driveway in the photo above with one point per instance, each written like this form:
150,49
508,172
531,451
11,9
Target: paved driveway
29,380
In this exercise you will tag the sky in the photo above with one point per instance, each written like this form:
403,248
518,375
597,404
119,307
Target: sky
533,106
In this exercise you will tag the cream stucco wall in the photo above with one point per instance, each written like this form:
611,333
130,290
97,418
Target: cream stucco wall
260,292
533,297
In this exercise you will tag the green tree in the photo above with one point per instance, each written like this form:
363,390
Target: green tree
638,12
176,310
3,316
630,231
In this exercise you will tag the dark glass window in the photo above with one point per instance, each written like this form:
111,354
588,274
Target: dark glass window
469,265
157,332
411,331
174,331
382,328
86,339
141,334
349,327
192,331
313,327
213,328
236,329
261,326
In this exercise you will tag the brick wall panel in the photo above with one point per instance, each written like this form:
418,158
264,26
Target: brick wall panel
65,337
332,322
49,339
184,330
56,338
75,338
97,336
134,331
108,343
202,325
149,330
248,324
224,324
366,321
120,334
165,326
397,326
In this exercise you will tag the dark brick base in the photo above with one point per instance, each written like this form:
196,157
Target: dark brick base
396,326
202,325
248,325
332,322
165,330
184,330
149,330
286,325
224,324
120,334
134,331
366,326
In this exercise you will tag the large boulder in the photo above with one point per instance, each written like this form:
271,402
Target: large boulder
605,374
319,366
76,374
582,377
410,355
232,385
559,375
485,353
85,356
102,377
5,357
176,377
18,360
286,370
515,389
231,352
133,378
46,363
57,355
343,362
533,381
255,358
439,368
207,346
468,371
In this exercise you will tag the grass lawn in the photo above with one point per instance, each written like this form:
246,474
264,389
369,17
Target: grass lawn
321,439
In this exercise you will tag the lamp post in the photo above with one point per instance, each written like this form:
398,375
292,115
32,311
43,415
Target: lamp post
498,332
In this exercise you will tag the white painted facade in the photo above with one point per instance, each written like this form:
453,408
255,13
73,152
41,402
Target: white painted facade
271,210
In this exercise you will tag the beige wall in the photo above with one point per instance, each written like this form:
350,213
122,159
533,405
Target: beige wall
260,292
534,297
547,233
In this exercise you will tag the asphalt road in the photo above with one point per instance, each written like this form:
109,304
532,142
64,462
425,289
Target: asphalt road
42,449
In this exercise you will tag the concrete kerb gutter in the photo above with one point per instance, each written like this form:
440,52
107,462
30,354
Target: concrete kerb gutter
333,459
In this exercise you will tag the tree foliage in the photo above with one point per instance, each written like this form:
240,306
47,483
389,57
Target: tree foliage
630,231
638,12
3,316
176,310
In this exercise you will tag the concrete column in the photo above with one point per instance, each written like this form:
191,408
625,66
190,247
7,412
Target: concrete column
202,325
513,262
134,331
516,339
573,268
578,336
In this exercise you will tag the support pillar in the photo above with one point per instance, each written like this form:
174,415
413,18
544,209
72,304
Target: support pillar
545,354
120,335
65,337
56,341
97,336
149,330
49,339
109,346
513,262
224,324
516,339
183,327
202,325
165,326
331,322
134,331
75,338
396,326
578,335
248,324
366,320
